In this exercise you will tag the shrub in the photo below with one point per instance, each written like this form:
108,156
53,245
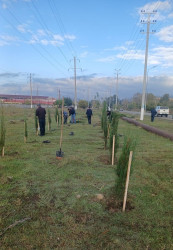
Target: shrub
25,130
104,123
3,131
129,145
49,120
114,131
83,104
57,116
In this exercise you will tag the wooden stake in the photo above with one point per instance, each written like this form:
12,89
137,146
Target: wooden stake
57,121
108,130
127,180
61,123
3,151
113,149
38,127
25,139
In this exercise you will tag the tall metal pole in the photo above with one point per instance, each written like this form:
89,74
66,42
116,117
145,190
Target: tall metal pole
88,97
116,101
145,66
75,96
31,88
59,95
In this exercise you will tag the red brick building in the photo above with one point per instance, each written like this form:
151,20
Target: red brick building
26,99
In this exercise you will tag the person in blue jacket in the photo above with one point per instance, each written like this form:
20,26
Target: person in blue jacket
89,113
153,113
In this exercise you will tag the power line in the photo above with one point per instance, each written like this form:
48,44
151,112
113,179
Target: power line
43,24
36,49
60,24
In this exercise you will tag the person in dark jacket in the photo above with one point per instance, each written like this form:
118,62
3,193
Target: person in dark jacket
72,113
153,113
41,113
89,114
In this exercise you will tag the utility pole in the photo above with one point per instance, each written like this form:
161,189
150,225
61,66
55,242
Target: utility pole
59,95
116,102
88,96
31,88
75,94
37,95
148,22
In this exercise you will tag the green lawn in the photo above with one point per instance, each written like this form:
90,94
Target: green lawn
58,197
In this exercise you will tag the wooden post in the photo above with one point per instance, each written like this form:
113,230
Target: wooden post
25,139
113,149
3,151
127,180
38,127
108,130
62,123
57,121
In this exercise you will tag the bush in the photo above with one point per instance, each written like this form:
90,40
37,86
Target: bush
114,131
3,131
49,120
104,123
129,145
25,130
57,116
83,104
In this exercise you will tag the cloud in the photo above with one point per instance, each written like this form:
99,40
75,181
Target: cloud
166,34
129,42
107,59
4,6
22,28
160,55
159,6
9,75
170,15
7,40
58,37
41,32
116,48
49,38
70,37
84,54
132,55
128,86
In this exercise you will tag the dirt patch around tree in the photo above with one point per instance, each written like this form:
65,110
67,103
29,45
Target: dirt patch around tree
105,159
113,205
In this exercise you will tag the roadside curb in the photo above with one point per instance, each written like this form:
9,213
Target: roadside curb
149,128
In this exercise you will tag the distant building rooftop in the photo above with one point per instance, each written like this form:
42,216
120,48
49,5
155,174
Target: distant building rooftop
4,96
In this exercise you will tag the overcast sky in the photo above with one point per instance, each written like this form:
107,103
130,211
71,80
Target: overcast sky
42,38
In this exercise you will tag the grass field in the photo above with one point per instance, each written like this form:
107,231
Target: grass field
54,202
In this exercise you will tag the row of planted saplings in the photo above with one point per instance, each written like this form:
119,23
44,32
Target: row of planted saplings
3,130
109,124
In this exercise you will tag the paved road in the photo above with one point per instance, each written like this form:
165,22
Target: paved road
146,113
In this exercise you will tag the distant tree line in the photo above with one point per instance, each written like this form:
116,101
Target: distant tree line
151,102
133,103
